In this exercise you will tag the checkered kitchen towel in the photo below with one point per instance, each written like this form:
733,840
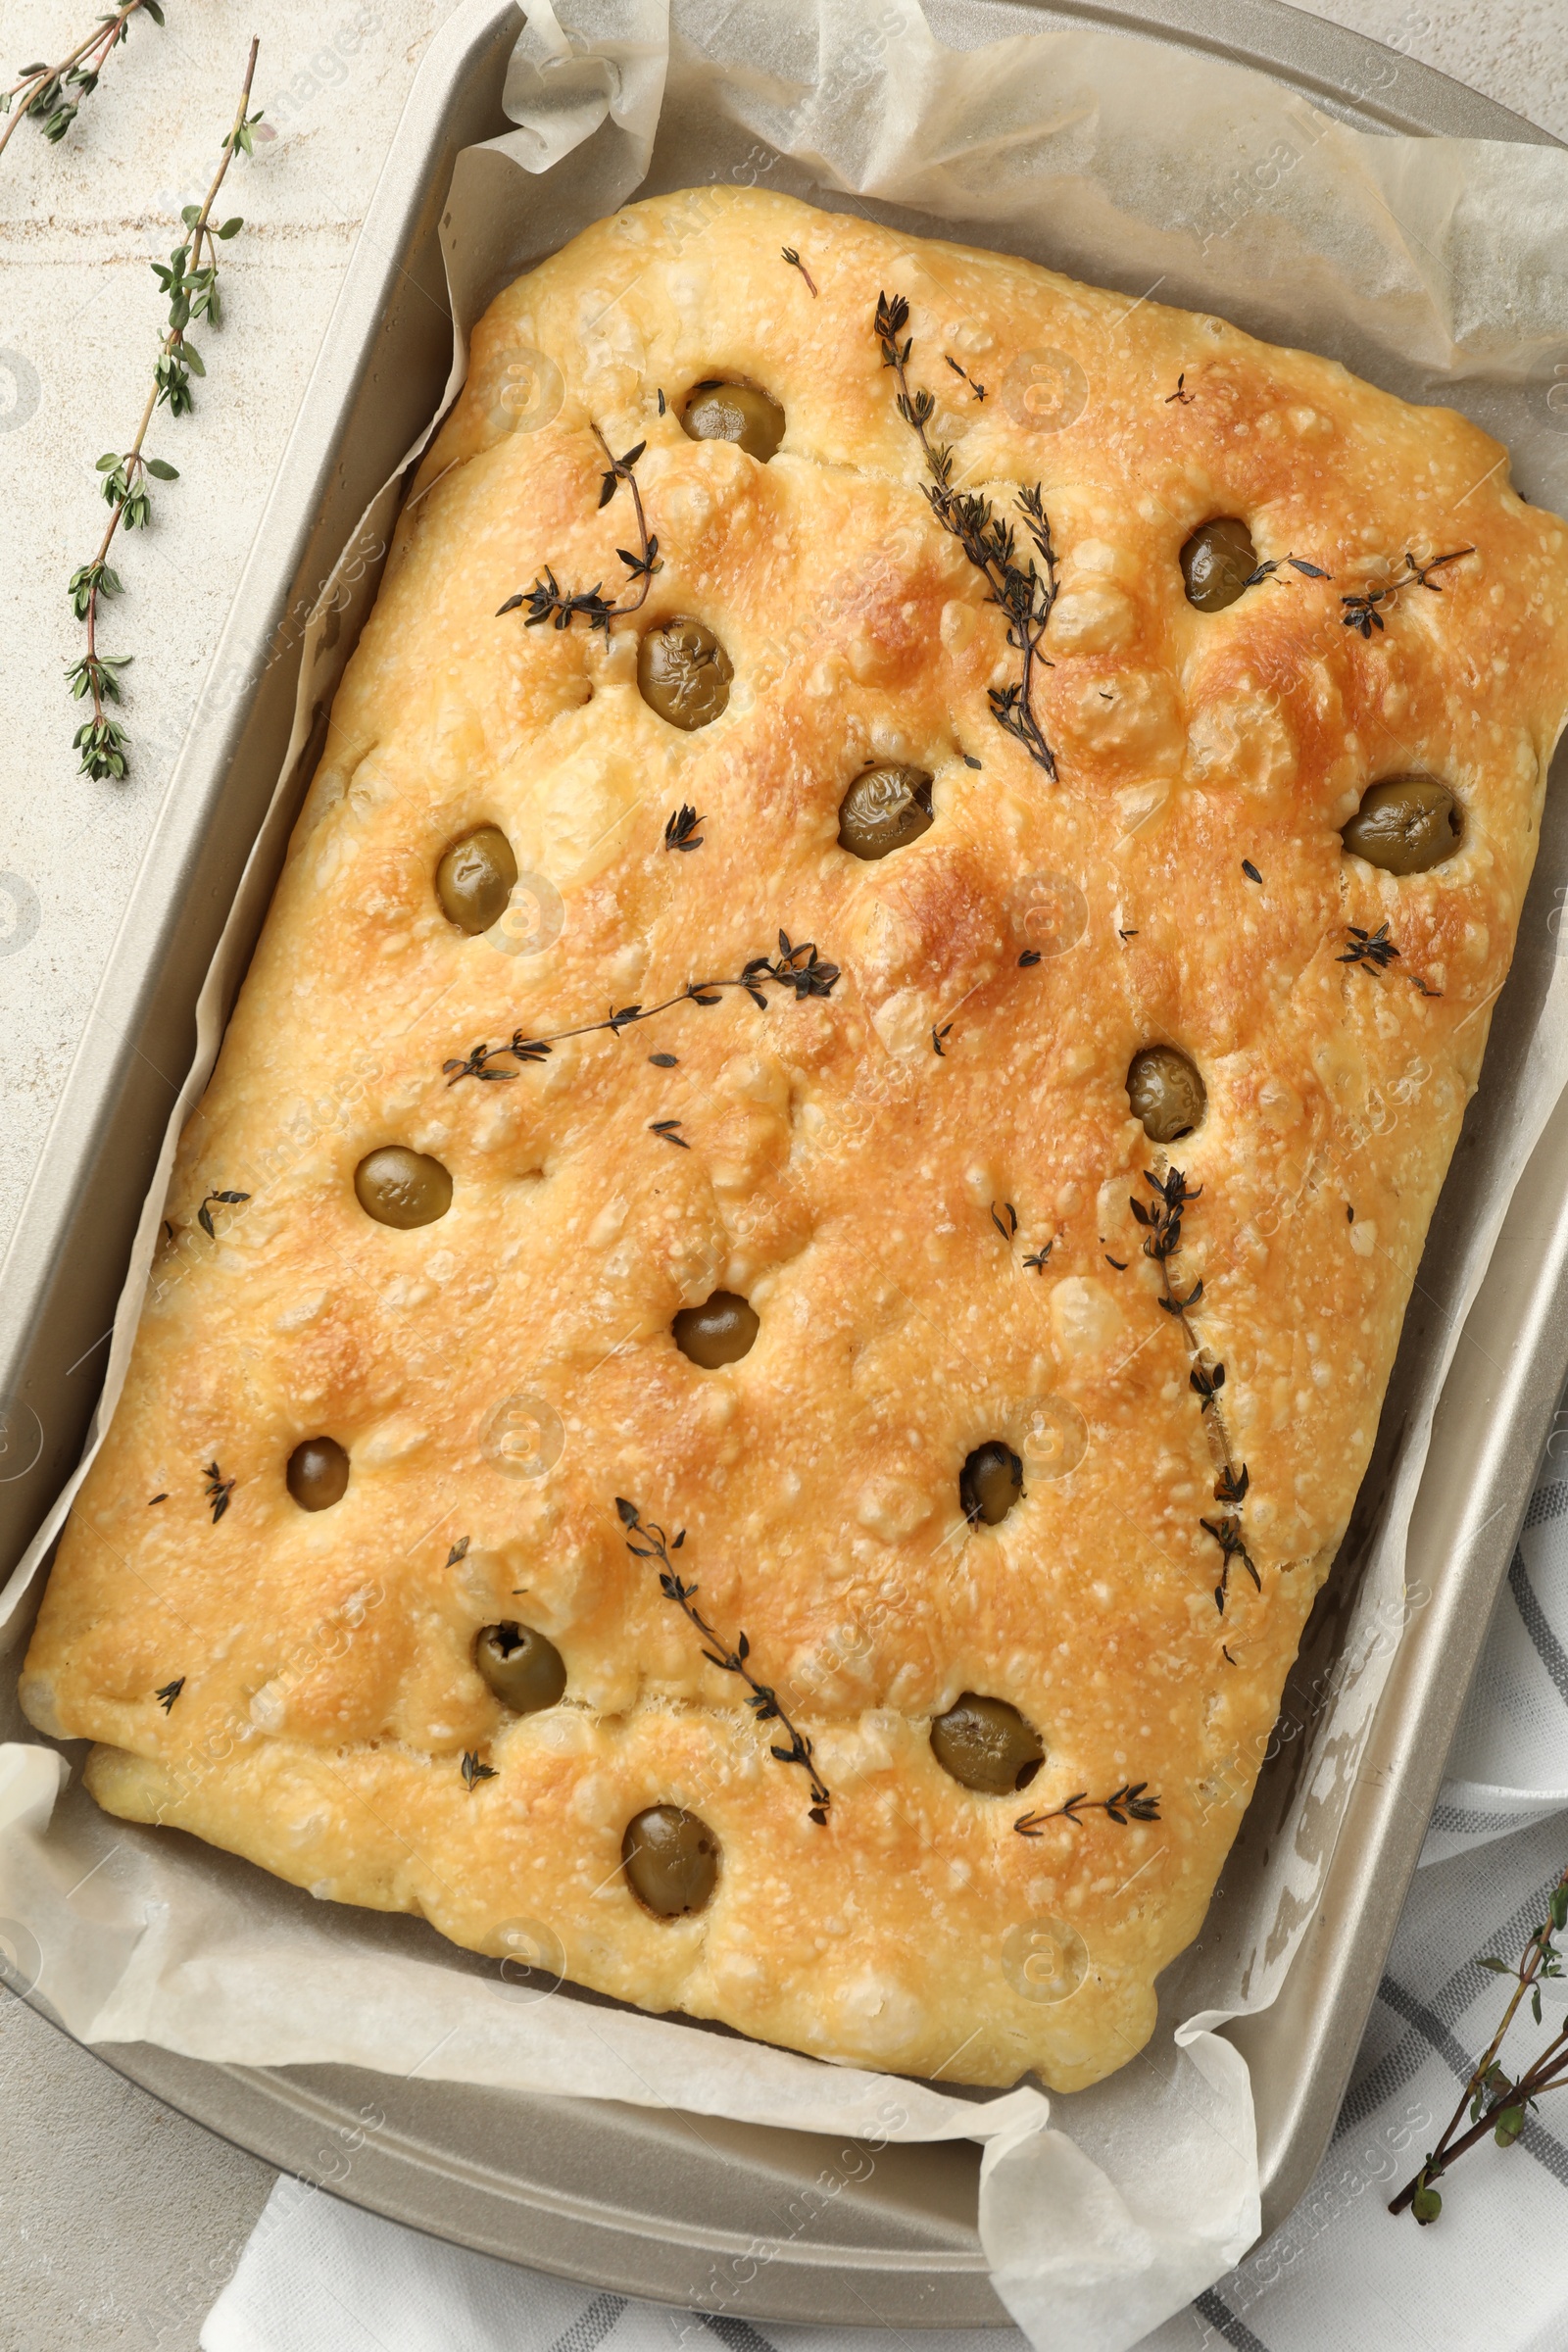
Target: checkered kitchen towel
321,2276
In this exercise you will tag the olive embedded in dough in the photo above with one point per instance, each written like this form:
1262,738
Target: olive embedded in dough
1406,825
719,1332
317,1474
720,412
1218,563
525,1671
883,809
670,1858
1166,1093
474,879
402,1188
987,1744
684,672
990,1483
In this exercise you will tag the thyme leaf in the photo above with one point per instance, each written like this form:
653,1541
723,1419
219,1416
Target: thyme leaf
167,1697
473,1770
204,1215
762,1697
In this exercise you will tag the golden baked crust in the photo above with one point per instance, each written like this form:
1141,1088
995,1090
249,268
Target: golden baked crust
849,1179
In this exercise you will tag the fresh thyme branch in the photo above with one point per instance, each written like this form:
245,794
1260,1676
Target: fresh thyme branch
1163,1238
798,969
761,1697
52,95
1022,596
1361,611
1129,1803
1495,2104
191,284
547,600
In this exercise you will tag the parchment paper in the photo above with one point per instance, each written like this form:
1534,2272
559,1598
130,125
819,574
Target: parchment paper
1434,268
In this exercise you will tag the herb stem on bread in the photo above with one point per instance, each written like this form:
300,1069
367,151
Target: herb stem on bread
169,1691
799,969
548,601
789,254
762,1697
1130,1802
1020,592
1361,611
190,282
1161,1221
1497,2105
52,95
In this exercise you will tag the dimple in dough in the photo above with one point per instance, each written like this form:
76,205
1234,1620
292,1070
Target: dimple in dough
501,1377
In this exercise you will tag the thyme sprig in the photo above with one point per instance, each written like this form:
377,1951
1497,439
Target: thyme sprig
218,1491
473,1771
1129,1803
1362,610
1374,950
548,601
190,282
1163,1238
798,969
52,95
1181,393
204,1215
167,1697
761,1697
680,828
1020,591
978,391
788,253
1007,1227
1495,2103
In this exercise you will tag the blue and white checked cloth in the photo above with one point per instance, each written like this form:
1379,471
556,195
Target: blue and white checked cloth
321,2276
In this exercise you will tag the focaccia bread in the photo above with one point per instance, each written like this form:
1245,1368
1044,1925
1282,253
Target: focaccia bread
951,929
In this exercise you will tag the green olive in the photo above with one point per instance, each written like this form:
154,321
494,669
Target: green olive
720,412
1165,1093
883,809
402,1188
1218,563
1406,825
987,1744
671,1859
523,1670
473,880
990,1483
684,672
719,1332
317,1474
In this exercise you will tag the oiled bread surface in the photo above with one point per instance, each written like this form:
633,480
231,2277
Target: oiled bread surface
841,1173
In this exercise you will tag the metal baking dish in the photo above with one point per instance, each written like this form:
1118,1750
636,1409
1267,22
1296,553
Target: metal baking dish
690,2209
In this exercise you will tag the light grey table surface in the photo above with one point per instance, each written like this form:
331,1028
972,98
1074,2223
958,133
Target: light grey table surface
119,2220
